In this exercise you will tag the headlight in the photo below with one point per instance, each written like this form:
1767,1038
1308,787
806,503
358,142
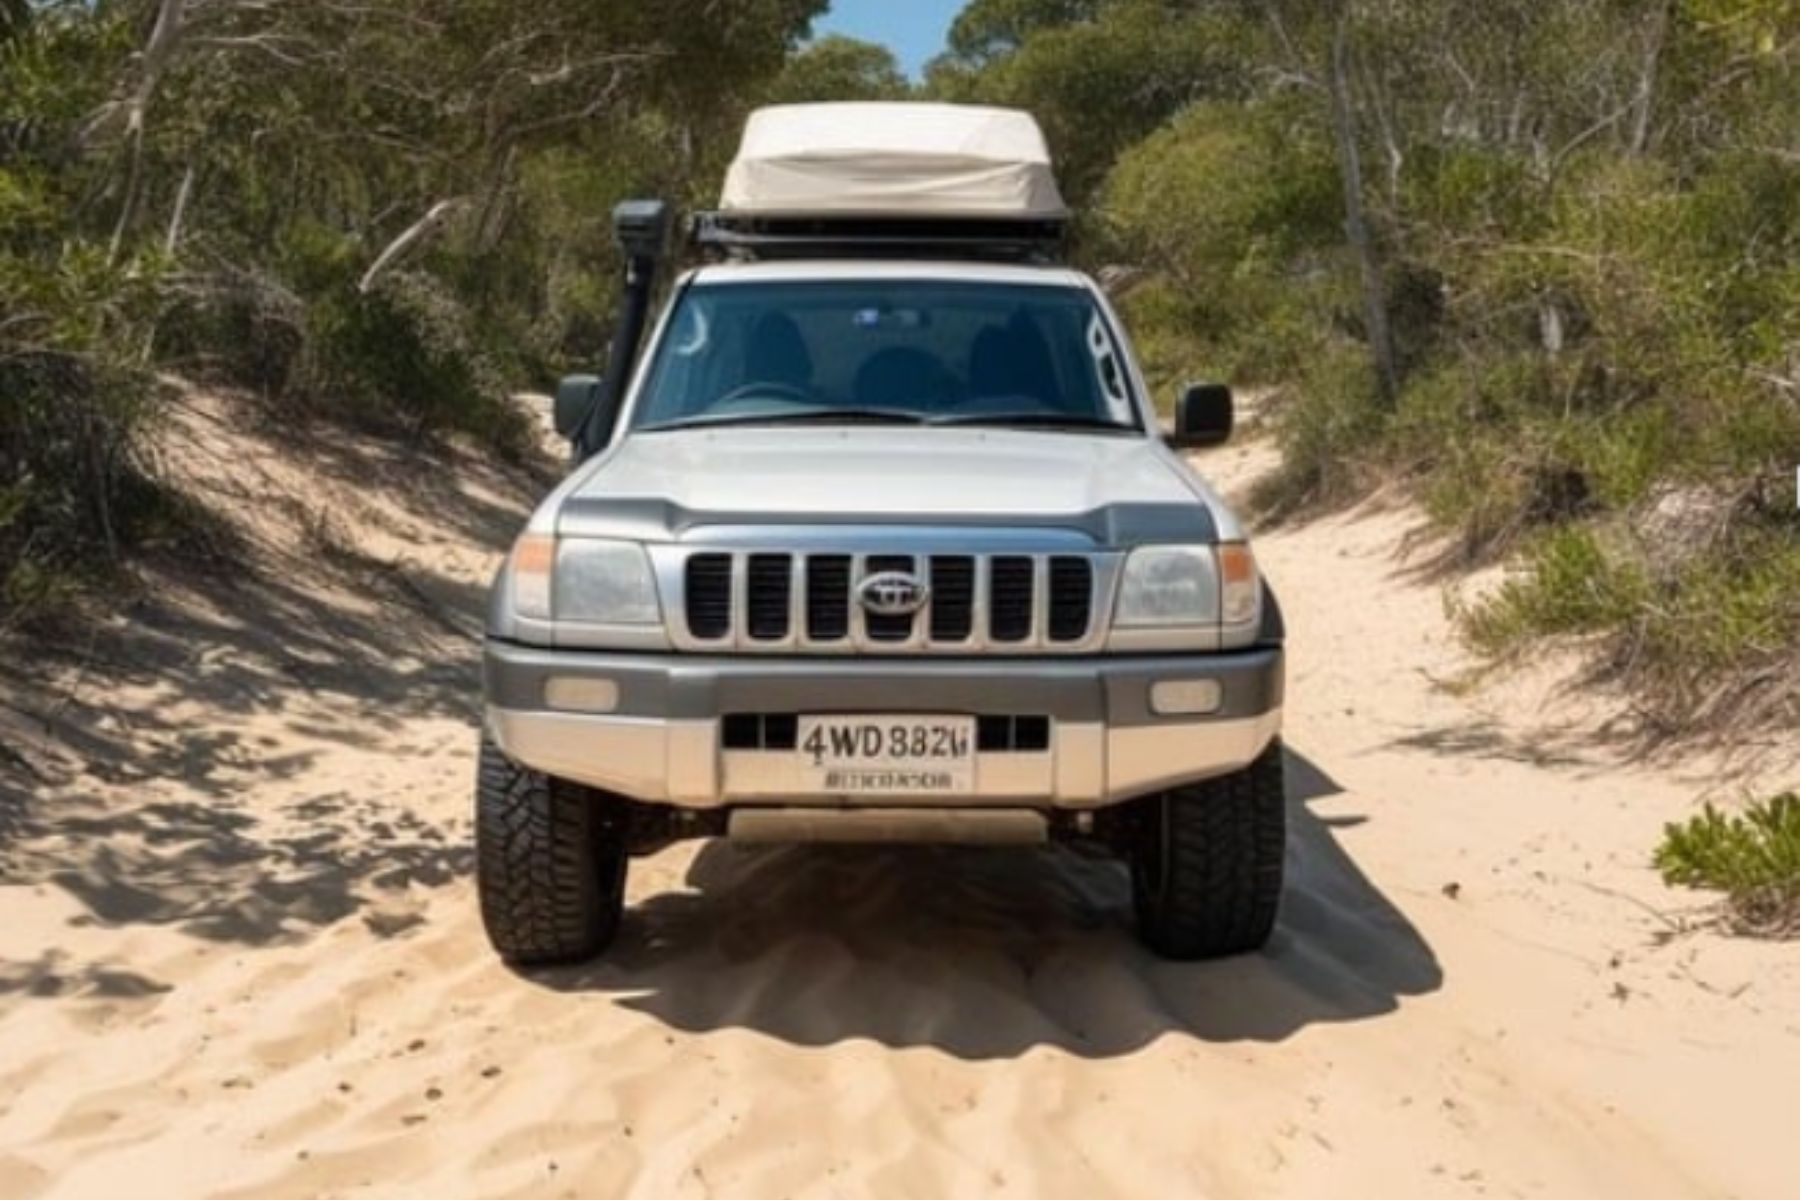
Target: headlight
605,583
1188,586
586,580
1169,585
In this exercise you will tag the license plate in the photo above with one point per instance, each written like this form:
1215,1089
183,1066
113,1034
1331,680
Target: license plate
898,755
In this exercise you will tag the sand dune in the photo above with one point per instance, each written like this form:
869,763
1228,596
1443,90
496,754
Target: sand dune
239,956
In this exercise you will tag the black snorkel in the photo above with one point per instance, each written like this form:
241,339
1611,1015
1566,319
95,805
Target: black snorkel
587,408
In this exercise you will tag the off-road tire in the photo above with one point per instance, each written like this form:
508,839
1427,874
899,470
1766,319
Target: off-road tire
1206,863
549,863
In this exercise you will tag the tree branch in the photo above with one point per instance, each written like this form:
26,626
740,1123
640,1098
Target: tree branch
426,225
175,219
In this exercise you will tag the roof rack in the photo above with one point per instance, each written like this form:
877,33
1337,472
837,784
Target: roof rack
985,239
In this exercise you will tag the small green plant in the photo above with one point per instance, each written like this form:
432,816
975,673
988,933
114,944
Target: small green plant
1753,857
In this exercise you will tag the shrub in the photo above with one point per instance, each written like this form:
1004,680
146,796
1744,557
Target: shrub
1596,377
1711,629
75,397
1753,858
408,349
1573,582
1329,426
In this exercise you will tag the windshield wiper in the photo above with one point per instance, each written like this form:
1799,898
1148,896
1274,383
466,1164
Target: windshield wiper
809,416
1031,420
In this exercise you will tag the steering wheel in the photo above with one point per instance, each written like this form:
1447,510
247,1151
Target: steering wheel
762,390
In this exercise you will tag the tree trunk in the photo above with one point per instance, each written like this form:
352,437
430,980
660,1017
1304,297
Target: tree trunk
1356,224
1644,106
170,16
164,35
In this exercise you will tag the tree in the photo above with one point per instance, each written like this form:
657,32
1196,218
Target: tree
14,16
388,208
1099,85
987,30
839,68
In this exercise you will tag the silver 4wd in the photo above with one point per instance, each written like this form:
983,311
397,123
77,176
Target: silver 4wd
880,541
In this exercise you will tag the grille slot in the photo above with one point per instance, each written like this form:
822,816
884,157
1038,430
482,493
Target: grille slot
741,731
760,731
768,596
708,583
1071,598
887,628
1013,735
828,597
1011,579
952,598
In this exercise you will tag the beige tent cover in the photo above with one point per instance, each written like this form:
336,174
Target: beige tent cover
893,160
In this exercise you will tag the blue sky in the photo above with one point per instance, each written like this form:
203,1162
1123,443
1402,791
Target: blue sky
913,29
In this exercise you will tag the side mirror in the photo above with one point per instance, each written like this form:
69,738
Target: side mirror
575,399
1203,416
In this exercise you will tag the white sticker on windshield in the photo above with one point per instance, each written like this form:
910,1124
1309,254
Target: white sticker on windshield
1109,371
690,341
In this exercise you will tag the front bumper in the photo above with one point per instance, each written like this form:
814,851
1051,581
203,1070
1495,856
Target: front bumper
659,736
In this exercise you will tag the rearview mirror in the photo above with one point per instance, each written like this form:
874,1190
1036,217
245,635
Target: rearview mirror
1203,416
575,398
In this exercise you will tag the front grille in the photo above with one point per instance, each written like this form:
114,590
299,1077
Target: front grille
975,602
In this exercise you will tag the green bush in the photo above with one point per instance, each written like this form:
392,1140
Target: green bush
1328,424
1606,393
1753,858
1712,628
408,349
1572,583
76,395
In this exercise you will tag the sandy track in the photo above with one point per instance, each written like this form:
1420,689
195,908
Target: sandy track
240,957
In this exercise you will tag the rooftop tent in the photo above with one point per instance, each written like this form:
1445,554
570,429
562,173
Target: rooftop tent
893,160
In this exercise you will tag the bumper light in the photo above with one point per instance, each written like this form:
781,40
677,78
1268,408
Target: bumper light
571,694
1186,697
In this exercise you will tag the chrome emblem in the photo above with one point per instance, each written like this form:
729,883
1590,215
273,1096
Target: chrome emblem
892,594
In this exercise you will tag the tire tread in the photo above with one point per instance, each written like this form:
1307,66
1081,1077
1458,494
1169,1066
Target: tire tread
1224,868
549,869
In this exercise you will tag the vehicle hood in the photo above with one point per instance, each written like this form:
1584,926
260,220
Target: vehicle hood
880,474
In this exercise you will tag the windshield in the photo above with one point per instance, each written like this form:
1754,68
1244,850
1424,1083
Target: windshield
891,350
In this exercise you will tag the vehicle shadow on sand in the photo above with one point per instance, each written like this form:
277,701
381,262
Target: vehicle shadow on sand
168,760
989,953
